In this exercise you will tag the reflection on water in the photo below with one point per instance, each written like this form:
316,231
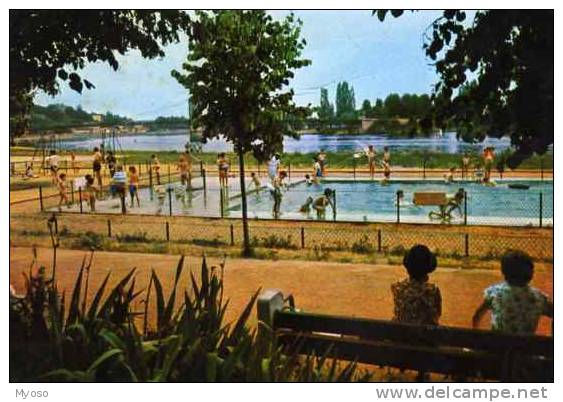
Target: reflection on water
306,143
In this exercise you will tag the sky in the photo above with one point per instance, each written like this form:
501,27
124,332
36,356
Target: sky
376,58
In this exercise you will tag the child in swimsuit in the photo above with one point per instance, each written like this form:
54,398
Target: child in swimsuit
223,168
134,186
254,180
183,168
370,153
61,185
449,177
97,165
320,205
156,168
161,197
90,191
306,208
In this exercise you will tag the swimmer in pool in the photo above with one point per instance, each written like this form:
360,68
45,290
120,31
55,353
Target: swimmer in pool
306,208
320,204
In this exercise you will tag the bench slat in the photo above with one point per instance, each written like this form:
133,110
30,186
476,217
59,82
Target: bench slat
430,198
436,360
413,334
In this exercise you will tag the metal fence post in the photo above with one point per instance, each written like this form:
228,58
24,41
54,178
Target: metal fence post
221,201
232,232
168,173
379,240
41,197
109,228
467,244
334,205
72,191
541,168
424,169
398,208
122,198
150,176
203,175
302,237
167,231
170,201
80,198
465,207
541,209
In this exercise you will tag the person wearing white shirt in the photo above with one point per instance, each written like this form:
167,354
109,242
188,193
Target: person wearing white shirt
273,167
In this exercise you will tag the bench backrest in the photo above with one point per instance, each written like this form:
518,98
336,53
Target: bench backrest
429,198
447,350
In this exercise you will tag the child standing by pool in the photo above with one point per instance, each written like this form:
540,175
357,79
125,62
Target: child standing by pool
370,153
386,173
183,168
515,306
317,170
465,166
134,185
61,185
97,165
387,155
276,192
90,191
254,180
416,300
449,177
155,165
223,168
273,167
53,161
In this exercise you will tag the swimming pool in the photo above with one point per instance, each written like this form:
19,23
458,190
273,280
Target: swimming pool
372,201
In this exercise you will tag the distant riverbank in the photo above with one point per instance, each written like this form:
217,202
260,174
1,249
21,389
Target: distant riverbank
447,143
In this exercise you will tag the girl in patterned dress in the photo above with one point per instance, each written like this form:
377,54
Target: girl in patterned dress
417,301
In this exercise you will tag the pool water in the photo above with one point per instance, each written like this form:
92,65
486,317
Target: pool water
372,201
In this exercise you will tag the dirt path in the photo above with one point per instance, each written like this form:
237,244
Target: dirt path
360,290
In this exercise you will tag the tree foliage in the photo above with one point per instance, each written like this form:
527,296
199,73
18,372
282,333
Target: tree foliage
345,101
50,46
237,72
496,76
325,111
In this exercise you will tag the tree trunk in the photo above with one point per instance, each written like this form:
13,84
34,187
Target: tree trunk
246,251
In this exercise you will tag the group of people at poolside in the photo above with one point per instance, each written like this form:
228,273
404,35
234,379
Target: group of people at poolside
482,175
515,306
121,182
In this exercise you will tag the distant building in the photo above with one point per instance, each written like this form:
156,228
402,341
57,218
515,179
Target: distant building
97,118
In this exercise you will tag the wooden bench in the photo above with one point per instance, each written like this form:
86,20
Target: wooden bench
459,352
435,199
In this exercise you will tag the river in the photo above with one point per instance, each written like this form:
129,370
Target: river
306,143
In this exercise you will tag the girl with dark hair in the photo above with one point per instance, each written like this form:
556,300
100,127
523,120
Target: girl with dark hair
417,301
515,306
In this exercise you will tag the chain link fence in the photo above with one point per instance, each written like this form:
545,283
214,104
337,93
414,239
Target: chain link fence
317,239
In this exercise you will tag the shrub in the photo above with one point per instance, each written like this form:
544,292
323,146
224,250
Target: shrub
398,250
274,241
363,245
136,237
90,240
101,341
